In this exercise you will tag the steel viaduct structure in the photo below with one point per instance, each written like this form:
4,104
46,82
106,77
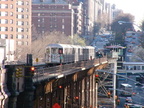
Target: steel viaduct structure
64,86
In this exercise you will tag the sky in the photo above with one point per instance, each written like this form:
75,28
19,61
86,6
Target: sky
134,7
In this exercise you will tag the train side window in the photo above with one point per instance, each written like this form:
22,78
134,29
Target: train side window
142,67
73,51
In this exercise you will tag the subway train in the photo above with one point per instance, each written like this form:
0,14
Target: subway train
56,54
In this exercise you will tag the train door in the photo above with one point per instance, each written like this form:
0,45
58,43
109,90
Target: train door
55,58
47,55
76,54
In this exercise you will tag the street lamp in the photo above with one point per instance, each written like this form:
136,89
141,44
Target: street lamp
125,22
122,22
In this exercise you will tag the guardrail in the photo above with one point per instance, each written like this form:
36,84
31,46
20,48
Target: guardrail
42,74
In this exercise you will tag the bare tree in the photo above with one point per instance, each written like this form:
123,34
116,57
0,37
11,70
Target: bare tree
116,27
138,54
39,44
21,52
77,40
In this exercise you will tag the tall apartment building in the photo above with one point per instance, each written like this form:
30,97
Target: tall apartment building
57,15
15,27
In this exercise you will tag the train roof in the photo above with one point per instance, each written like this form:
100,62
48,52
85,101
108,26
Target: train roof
68,46
90,47
60,45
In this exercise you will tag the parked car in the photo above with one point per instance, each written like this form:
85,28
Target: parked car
128,99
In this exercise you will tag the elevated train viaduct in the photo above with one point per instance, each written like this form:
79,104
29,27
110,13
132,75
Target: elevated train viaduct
64,86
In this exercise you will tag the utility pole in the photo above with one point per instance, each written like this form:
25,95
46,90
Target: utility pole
114,82
96,95
96,88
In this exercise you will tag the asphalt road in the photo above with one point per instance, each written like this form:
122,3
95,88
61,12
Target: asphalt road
138,98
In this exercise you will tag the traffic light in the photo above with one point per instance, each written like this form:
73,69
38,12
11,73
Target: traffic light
109,94
117,101
32,69
96,78
18,72
60,86
76,99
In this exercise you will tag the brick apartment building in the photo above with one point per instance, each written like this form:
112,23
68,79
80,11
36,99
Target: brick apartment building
15,27
57,15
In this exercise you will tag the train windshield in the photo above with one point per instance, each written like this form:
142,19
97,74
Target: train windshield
54,50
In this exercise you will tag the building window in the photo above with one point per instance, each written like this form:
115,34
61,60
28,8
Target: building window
11,36
11,6
20,30
11,21
3,21
3,6
11,13
27,3
63,27
19,43
20,23
26,16
43,20
6,36
20,10
3,28
38,14
55,26
20,36
55,19
26,43
63,14
20,3
3,36
26,23
26,36
26,29
62,20
26,9
11,28
43,32
20,16
3,13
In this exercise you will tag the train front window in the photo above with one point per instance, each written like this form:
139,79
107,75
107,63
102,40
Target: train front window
54,51
47,50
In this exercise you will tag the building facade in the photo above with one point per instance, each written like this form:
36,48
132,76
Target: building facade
57,15
15,27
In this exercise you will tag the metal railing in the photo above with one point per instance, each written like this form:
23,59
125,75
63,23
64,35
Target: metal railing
42,74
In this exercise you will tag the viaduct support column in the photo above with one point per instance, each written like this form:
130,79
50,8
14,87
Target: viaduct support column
114,82
29,88
87,92
5,93
83,93
11,84
93,90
